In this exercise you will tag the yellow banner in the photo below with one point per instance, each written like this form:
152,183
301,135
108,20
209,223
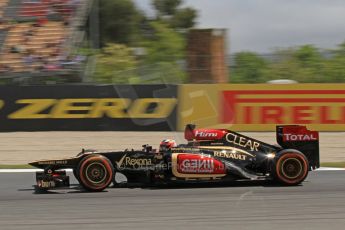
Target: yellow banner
260,107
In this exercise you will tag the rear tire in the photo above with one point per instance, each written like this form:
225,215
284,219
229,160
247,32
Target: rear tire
291,167
95,172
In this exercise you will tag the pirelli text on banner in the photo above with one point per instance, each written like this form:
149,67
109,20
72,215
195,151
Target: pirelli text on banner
261,107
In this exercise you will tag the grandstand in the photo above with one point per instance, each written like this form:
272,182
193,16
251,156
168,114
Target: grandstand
38,37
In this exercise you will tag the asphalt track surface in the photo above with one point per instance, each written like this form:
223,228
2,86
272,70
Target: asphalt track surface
318,204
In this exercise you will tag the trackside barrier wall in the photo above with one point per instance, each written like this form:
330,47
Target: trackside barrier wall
260,107
255,107
88,107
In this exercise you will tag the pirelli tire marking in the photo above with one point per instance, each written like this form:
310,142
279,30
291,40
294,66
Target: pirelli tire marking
93,167
291,168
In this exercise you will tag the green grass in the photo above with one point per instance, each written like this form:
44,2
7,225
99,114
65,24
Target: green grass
333,164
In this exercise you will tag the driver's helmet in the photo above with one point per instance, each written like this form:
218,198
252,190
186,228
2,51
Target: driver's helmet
167,144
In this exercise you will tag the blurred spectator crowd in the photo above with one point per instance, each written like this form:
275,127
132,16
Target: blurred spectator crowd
34,39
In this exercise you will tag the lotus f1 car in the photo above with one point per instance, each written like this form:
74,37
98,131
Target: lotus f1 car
211,155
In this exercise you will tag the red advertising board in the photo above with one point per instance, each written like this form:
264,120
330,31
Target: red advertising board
261,107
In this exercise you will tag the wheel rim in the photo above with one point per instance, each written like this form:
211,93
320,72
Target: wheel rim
96,173
292,168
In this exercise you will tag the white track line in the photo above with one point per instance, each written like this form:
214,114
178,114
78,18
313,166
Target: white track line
330,169
70,170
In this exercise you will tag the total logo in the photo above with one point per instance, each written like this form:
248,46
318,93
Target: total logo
299,137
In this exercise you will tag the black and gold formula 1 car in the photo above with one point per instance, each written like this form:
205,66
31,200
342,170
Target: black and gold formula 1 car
211,155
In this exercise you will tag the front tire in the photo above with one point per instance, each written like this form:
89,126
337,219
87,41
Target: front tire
95,172
291,167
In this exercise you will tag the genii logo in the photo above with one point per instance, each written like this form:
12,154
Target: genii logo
199,164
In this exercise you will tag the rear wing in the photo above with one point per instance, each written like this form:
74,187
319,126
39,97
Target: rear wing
300,138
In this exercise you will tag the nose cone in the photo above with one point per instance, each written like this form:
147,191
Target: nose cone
36,164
